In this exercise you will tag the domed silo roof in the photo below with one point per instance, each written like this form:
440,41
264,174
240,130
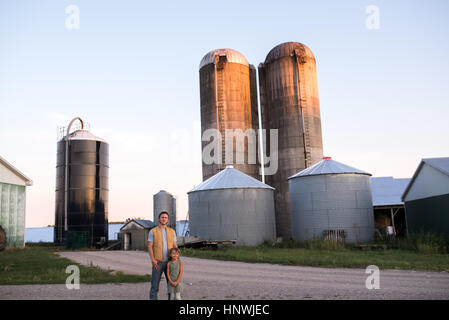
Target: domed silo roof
328,166
232,56
230,178
331,200
286,49
83,134
164,192
232,206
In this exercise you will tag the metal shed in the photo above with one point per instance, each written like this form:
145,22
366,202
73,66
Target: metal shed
331,200
232,206
12,205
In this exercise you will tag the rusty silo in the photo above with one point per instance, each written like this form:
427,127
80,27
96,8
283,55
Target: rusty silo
228,92
289,103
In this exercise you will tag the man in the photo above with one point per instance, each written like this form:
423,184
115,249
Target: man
160,240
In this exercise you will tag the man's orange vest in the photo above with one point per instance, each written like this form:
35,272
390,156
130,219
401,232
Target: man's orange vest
158,241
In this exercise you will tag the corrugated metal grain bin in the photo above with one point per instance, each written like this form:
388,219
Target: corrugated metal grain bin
164,201
331,200
232,206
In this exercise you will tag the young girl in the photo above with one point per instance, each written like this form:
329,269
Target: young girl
174,273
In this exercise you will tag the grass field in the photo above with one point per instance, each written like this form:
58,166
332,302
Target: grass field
416,253
40,265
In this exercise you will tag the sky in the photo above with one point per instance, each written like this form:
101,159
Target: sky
130,70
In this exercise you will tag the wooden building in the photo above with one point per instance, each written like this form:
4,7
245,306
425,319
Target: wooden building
134,234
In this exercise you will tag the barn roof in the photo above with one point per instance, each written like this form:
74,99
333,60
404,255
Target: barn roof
440,164
387,191
146,224
15,171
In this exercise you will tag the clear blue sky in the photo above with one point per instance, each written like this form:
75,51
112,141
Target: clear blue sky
131,71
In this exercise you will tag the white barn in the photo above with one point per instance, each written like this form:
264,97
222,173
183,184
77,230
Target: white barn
12,205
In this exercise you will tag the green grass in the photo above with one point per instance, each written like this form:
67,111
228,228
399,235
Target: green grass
40,265
318,253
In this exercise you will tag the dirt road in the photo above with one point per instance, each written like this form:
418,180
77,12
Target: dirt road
211,279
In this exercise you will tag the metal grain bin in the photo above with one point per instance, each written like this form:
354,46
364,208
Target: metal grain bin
290,103
331,200
232,206
228,94
164,201
82,189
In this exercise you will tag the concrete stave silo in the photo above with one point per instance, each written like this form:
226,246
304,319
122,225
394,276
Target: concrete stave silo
228,94
290,103
82,189
232,206
331,200
164,201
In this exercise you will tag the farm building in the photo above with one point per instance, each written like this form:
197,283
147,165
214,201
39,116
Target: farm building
426,197
134,234
12,205
389,212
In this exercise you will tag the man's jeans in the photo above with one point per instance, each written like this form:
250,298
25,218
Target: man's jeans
156,276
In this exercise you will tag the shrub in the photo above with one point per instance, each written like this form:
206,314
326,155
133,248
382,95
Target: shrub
422,242
427,242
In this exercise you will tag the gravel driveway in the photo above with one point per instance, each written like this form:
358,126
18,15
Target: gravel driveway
212,279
